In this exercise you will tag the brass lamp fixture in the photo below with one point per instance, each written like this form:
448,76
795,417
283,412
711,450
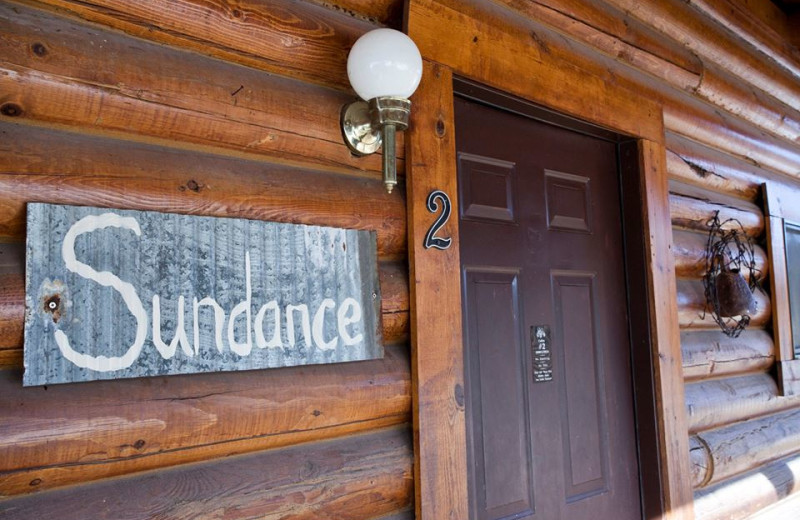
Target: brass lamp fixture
384,68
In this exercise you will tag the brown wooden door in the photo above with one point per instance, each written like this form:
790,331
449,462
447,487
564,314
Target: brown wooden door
541,249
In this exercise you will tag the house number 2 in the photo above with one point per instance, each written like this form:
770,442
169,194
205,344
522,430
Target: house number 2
431,240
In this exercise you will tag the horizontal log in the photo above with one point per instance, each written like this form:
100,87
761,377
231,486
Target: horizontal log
42,165
394,310
699,461
693,314
747,445
385,12
618,35
361,477
740,19
693,163
657,55
680,22
65,434
297,39
693,208
720,402
752,104
742,496
12,312
712,353
786,508
689,249
201,102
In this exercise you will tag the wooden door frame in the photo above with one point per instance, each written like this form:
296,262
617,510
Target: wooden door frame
494,47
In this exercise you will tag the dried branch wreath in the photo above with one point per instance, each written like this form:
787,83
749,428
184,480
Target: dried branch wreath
729,294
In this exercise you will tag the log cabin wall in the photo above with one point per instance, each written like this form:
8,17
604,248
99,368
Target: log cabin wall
207,108
231,109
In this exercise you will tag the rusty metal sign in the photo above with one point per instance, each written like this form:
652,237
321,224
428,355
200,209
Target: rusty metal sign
119,293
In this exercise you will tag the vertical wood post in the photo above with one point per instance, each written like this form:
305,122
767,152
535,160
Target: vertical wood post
669,389
440,468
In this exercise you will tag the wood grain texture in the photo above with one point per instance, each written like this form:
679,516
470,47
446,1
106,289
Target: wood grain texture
746,494
436,334
664,58
616,34
496,47
74,433
666,342
720,402
284,37
690,255
712,353
147,91
384,12
739,18
359,477
749,102
38,165
693,163
694,314
782,312
743,446
680,22
693,208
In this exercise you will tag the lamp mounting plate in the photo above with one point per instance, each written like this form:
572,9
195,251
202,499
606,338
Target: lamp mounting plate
359,134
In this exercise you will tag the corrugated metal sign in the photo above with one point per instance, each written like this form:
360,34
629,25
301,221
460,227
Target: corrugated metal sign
117,293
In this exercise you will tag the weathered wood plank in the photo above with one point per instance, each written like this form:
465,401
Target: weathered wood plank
740,497
495,46
693,314
690,255
746,445
103,285
355,478
394,310
38,165
69,434
436,342
712,353
670,412
284,37
719,402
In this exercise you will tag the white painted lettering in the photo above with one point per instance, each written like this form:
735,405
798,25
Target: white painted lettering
261,341
243,349
167,351
319,321
106,279
343,320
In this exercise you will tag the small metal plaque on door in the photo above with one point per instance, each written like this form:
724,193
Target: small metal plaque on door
542,358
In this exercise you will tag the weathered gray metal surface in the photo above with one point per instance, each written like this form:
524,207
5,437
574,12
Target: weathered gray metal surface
94,278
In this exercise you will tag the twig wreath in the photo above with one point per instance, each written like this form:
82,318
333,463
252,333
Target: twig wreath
729,294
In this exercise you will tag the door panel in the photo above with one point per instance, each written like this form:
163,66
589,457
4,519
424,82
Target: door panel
541,246
497,369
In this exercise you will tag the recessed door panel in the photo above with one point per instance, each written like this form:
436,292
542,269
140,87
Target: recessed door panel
498,404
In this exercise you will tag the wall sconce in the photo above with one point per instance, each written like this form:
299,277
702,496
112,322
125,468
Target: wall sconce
384,68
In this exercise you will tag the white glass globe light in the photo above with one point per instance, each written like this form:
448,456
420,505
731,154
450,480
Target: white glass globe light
383,63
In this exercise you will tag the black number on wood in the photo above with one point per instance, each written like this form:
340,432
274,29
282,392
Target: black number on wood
431,240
